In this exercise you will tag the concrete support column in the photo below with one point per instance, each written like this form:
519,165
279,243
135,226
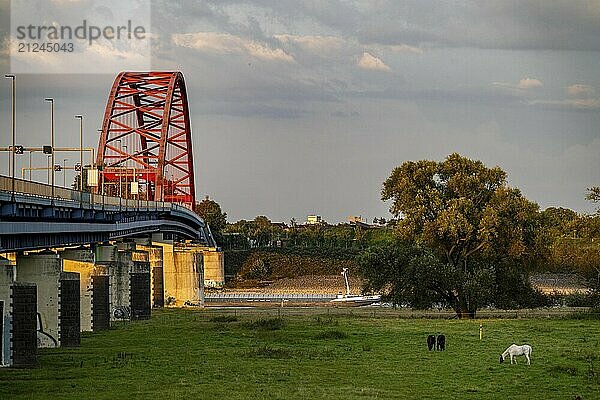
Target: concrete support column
69,309
117,282
189,266
82,261
24,340
101,300
129,271
183,273
155,258
214,267
6,281
139,284
44,270
169,273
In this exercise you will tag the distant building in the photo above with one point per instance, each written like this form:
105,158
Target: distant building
314,220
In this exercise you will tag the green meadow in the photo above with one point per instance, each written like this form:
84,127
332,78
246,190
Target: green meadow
202,354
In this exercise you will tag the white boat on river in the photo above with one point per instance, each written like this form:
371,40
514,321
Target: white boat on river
354,300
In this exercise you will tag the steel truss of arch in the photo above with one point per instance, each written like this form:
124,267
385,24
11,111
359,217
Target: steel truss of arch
146,138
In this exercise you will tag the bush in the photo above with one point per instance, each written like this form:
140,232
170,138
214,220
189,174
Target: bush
578,300
259,269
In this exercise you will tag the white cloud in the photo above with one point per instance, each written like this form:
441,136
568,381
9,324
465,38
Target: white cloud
370,62
529,83
579,90
524,84
225,43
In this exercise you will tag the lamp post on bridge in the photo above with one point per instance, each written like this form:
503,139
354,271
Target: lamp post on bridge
64,168
48,167
80,118
12,176
51,100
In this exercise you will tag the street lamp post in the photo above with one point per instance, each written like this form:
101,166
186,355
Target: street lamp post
80,118
12,176
65,172
51,100
48,168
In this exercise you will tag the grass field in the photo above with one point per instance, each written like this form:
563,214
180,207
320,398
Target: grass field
185,354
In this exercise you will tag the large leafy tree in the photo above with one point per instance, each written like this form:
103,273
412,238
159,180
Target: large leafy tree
211,212
469,216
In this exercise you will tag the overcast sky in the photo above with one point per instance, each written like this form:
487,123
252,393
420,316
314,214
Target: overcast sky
302,107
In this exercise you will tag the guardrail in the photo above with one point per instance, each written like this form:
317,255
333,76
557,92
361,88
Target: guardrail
71,210
91,200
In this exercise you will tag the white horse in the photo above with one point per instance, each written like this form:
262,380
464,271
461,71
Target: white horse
514,350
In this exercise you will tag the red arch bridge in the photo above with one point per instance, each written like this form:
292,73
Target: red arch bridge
74,260
142,181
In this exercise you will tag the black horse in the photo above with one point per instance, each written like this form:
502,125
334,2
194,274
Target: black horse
441,342
430,342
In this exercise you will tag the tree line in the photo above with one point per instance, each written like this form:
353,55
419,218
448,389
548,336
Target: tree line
460,236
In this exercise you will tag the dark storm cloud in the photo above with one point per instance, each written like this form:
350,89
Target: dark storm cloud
280,83
517,25
494,24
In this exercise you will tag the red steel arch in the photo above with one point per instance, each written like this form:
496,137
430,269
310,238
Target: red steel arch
146,137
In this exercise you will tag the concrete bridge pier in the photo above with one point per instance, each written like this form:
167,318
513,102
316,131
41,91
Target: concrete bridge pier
129,271
70,309
6,281
56,322
189,266
214,267
183,273
82,262
155,258
139,279
116,282
22,351
18,319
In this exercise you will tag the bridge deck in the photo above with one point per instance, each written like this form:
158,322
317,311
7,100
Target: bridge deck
30,218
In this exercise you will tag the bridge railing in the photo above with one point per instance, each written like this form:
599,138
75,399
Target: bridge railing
88,199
